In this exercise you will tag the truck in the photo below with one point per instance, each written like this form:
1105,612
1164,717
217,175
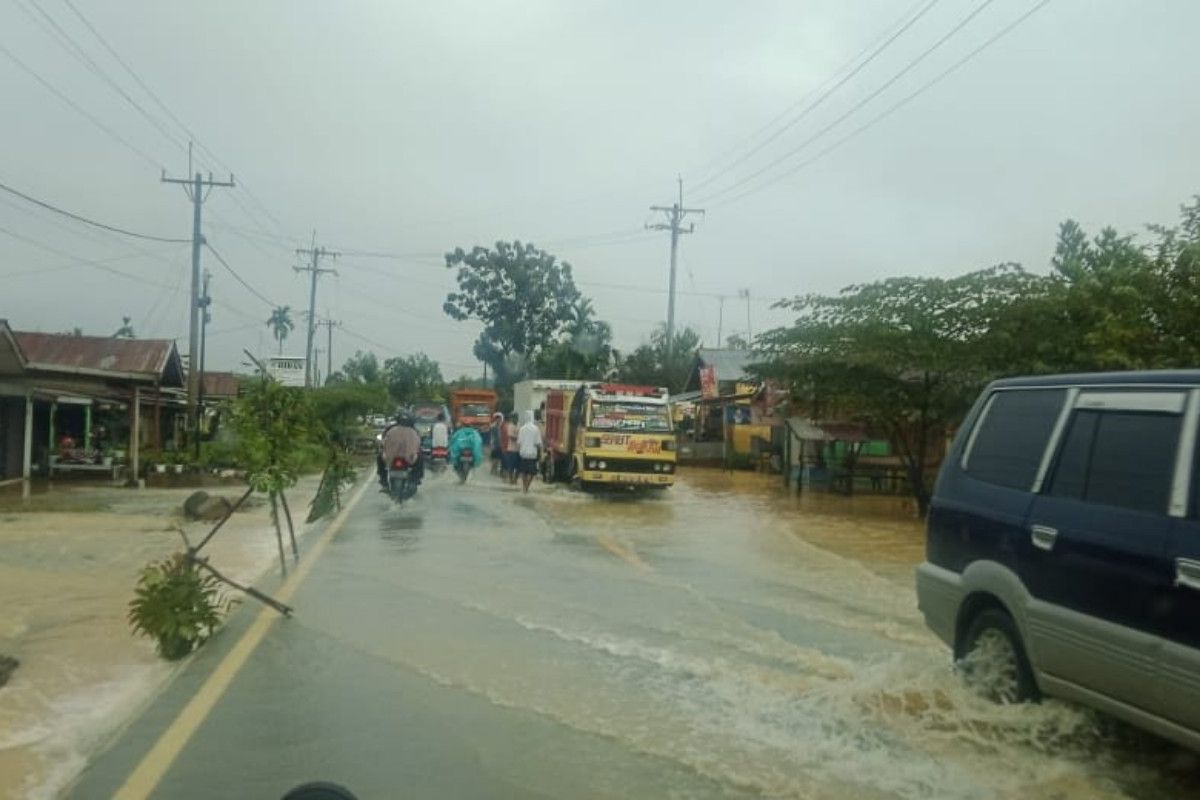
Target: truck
609,434
529,395
473,407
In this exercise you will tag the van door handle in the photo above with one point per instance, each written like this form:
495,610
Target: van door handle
1043,537
1187,573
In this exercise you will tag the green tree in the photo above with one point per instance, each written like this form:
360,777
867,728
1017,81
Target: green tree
362,367
413,378
126,329
648,364
281,324
905,356
524,297
583,351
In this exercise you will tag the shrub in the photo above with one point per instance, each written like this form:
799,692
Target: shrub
176,605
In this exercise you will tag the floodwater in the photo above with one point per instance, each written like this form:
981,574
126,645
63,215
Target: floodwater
69,559
719,640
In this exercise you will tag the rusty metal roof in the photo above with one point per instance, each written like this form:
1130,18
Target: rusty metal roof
220,384
102,356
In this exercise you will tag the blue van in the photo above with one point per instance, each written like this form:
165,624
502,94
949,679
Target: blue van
1063,546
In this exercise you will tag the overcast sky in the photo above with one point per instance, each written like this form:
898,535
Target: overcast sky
412,128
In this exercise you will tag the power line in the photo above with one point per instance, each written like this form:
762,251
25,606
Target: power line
98,264
854,108
79,109
166,109
69,44
238,277
872,51
897,106
86,221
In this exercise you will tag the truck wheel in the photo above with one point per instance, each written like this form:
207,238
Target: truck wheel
994,663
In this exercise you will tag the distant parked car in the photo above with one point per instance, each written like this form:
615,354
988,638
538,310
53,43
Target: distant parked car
1063,546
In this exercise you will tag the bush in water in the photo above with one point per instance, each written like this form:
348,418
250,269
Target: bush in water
177,606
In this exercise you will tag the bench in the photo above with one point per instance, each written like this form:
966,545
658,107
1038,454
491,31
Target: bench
81,466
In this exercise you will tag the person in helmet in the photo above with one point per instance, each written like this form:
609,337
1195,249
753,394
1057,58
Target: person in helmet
401,441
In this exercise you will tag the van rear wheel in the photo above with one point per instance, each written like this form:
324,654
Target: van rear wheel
994,663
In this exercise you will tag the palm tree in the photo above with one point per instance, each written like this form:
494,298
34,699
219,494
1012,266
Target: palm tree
126,329
280,323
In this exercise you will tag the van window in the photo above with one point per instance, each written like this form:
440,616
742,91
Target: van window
1011,439
1118,458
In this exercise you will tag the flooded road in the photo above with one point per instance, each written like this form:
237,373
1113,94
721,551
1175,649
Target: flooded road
720,640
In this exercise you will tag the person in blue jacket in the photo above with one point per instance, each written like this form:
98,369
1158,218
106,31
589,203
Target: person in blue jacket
464,439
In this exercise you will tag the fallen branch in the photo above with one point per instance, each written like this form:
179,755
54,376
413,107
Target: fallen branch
193,558
225,519
287,512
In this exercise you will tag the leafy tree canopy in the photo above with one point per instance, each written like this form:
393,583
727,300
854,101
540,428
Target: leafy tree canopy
524,297
648,365
413,378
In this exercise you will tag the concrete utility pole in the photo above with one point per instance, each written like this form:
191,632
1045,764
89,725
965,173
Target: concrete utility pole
329,324
675,215
745,293
720,319
205,318
197,188
315,269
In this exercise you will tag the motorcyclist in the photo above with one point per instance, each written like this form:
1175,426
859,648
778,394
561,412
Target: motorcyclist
466,438
401,441
439,435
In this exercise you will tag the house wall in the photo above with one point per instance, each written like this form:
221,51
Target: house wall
12,430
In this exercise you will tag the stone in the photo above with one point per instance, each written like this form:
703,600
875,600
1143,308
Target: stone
205,507
193,503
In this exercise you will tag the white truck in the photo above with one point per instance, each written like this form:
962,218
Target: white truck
529,395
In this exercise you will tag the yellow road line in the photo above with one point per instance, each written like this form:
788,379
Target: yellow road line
625,554
150,770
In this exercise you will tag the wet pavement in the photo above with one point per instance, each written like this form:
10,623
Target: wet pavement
718,641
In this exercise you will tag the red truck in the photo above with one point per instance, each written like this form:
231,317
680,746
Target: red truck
472,407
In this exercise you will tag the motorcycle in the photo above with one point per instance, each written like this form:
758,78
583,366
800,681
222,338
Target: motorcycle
439,458
402,482
466,462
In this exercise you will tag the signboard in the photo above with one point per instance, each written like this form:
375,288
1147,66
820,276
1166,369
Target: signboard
288,370
708,382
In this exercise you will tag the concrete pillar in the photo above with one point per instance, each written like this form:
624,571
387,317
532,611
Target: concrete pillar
87,427
27,448
135,431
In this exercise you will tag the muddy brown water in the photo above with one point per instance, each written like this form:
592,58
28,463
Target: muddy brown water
69,558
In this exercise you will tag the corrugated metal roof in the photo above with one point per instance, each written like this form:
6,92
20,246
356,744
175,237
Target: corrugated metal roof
11,359
730,365
220,384
148,359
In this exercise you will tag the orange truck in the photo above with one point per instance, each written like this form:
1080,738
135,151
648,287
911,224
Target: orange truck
610,434
472,407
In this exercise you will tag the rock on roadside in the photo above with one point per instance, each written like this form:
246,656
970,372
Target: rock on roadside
202,506
8,666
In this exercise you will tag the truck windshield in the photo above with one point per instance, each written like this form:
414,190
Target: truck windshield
620,416
475,410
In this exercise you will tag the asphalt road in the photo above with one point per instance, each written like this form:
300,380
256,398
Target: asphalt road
716,641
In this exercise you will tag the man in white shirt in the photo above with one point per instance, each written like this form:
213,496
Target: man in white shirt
439,436
529,445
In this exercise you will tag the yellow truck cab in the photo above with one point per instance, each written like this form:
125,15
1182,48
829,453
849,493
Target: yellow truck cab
607,433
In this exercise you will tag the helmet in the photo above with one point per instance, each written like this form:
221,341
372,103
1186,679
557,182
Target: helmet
406,419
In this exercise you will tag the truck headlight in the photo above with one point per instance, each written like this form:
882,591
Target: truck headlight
602,464
591,464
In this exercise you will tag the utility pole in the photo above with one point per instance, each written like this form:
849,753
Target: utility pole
675,215
749,332
315,269
197,188
205,318
329,324
720,319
